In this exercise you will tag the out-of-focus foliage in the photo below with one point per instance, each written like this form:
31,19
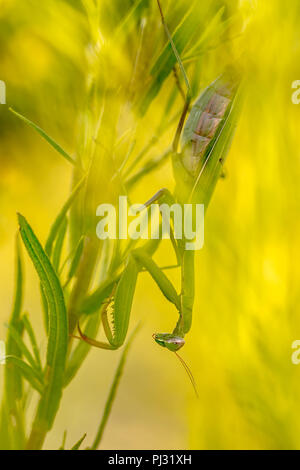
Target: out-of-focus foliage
66,64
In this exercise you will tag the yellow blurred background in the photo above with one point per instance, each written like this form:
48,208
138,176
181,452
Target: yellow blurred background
246,314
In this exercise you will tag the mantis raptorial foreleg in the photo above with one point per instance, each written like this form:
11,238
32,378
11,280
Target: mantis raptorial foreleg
123,298
141,259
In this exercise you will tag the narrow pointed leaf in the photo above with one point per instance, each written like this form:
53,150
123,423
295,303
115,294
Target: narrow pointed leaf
163,66
13,385
75,260
58,327
27,372
62,447
12,422
61,216
59,244
31,335
78,443
49,139
24,349
113,391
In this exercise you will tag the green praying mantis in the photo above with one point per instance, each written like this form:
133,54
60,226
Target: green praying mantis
205,141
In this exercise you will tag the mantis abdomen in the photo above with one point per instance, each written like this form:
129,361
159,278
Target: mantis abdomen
206,120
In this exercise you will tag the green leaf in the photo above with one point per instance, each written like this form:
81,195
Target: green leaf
214,28
58,328
78,443
13,384
75,260
62,447
55,228
61,216
151,165
12,423
31,335
59,244
123,300
52,142
27,372
45,309
24,350
164,64
127,18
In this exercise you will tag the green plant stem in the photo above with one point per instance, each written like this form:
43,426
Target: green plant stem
37,436
113,391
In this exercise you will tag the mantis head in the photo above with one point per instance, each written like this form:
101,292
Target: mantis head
174,343
169,341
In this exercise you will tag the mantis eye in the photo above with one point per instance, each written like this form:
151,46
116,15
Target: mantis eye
169,341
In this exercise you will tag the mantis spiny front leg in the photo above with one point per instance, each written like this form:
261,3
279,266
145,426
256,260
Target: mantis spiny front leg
139,259
123,298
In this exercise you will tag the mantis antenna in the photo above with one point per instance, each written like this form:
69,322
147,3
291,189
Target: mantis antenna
189,373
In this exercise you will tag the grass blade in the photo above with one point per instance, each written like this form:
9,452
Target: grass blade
75,261
61,216
24,350
151,165
27,372
78,443
13,377
59,244
31,335
113,391
13,382
62,447
53,235
163,66
42,133
57,340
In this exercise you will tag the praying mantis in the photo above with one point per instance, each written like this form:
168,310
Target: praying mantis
205,140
